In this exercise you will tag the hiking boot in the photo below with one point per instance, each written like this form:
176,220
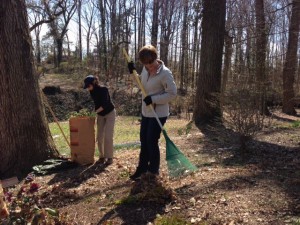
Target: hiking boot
101,160
137,175
109,161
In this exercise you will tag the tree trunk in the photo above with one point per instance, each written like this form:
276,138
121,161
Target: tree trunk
298,77
227,62
135,29
58,28
79,30
141,27
88,45
59,47
114,25
207,108
290,65
103,21
249,57
184,44
261,49
238,61
25,138
68,44
154,29
38,47
195,44
167,20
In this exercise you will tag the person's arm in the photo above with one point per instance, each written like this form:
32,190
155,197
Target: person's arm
105,97
100,109
170,90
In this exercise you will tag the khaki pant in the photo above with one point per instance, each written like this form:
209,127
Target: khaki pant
105,134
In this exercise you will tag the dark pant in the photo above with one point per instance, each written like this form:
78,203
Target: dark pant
149,136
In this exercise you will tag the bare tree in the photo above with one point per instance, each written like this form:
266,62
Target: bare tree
184,44
261,49
79,9
290,65
196,45
36,7
141,23
228,47
168,14
59,27
207,101
89,26
155,22
25,139
35,15
103,32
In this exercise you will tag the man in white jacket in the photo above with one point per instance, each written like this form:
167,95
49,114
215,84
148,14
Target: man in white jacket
160,86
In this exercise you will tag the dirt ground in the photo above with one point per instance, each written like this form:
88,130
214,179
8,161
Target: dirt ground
261,186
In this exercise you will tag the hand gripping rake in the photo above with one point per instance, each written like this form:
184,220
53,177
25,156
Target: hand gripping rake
177,163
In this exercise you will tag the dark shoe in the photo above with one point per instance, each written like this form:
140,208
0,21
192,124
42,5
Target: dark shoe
137,175
151,176
101,161
109,161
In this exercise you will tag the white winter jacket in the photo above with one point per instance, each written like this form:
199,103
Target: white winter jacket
162,89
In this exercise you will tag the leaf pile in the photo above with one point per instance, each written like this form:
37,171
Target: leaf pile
152,189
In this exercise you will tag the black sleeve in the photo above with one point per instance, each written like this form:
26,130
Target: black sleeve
106,98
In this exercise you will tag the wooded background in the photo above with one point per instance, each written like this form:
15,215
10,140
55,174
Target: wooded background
260,40
230,59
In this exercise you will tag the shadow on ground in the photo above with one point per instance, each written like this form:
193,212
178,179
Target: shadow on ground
75,177
61,194
275,164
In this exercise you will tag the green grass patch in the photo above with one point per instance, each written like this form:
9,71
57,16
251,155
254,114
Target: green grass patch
131,199
296,222
126,136
296,124
186,129
124,174
171,220
58,137
127,130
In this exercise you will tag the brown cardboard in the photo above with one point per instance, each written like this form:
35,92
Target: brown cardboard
82,139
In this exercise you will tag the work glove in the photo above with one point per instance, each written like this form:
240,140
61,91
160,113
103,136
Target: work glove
148,100
131,67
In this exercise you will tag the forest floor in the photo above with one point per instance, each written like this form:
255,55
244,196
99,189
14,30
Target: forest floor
261,186
257,186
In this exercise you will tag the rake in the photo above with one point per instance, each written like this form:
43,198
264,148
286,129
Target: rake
178,165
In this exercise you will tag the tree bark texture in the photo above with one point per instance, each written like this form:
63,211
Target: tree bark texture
25,138
261,51
207,108
103,29
290,65
196,43
155,22
184,39
167,14
227,62
79,30
38,47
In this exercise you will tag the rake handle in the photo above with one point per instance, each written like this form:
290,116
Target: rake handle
136,76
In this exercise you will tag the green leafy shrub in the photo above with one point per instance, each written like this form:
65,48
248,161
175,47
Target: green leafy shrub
82,112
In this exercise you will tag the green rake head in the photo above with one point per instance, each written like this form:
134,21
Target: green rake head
178,164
